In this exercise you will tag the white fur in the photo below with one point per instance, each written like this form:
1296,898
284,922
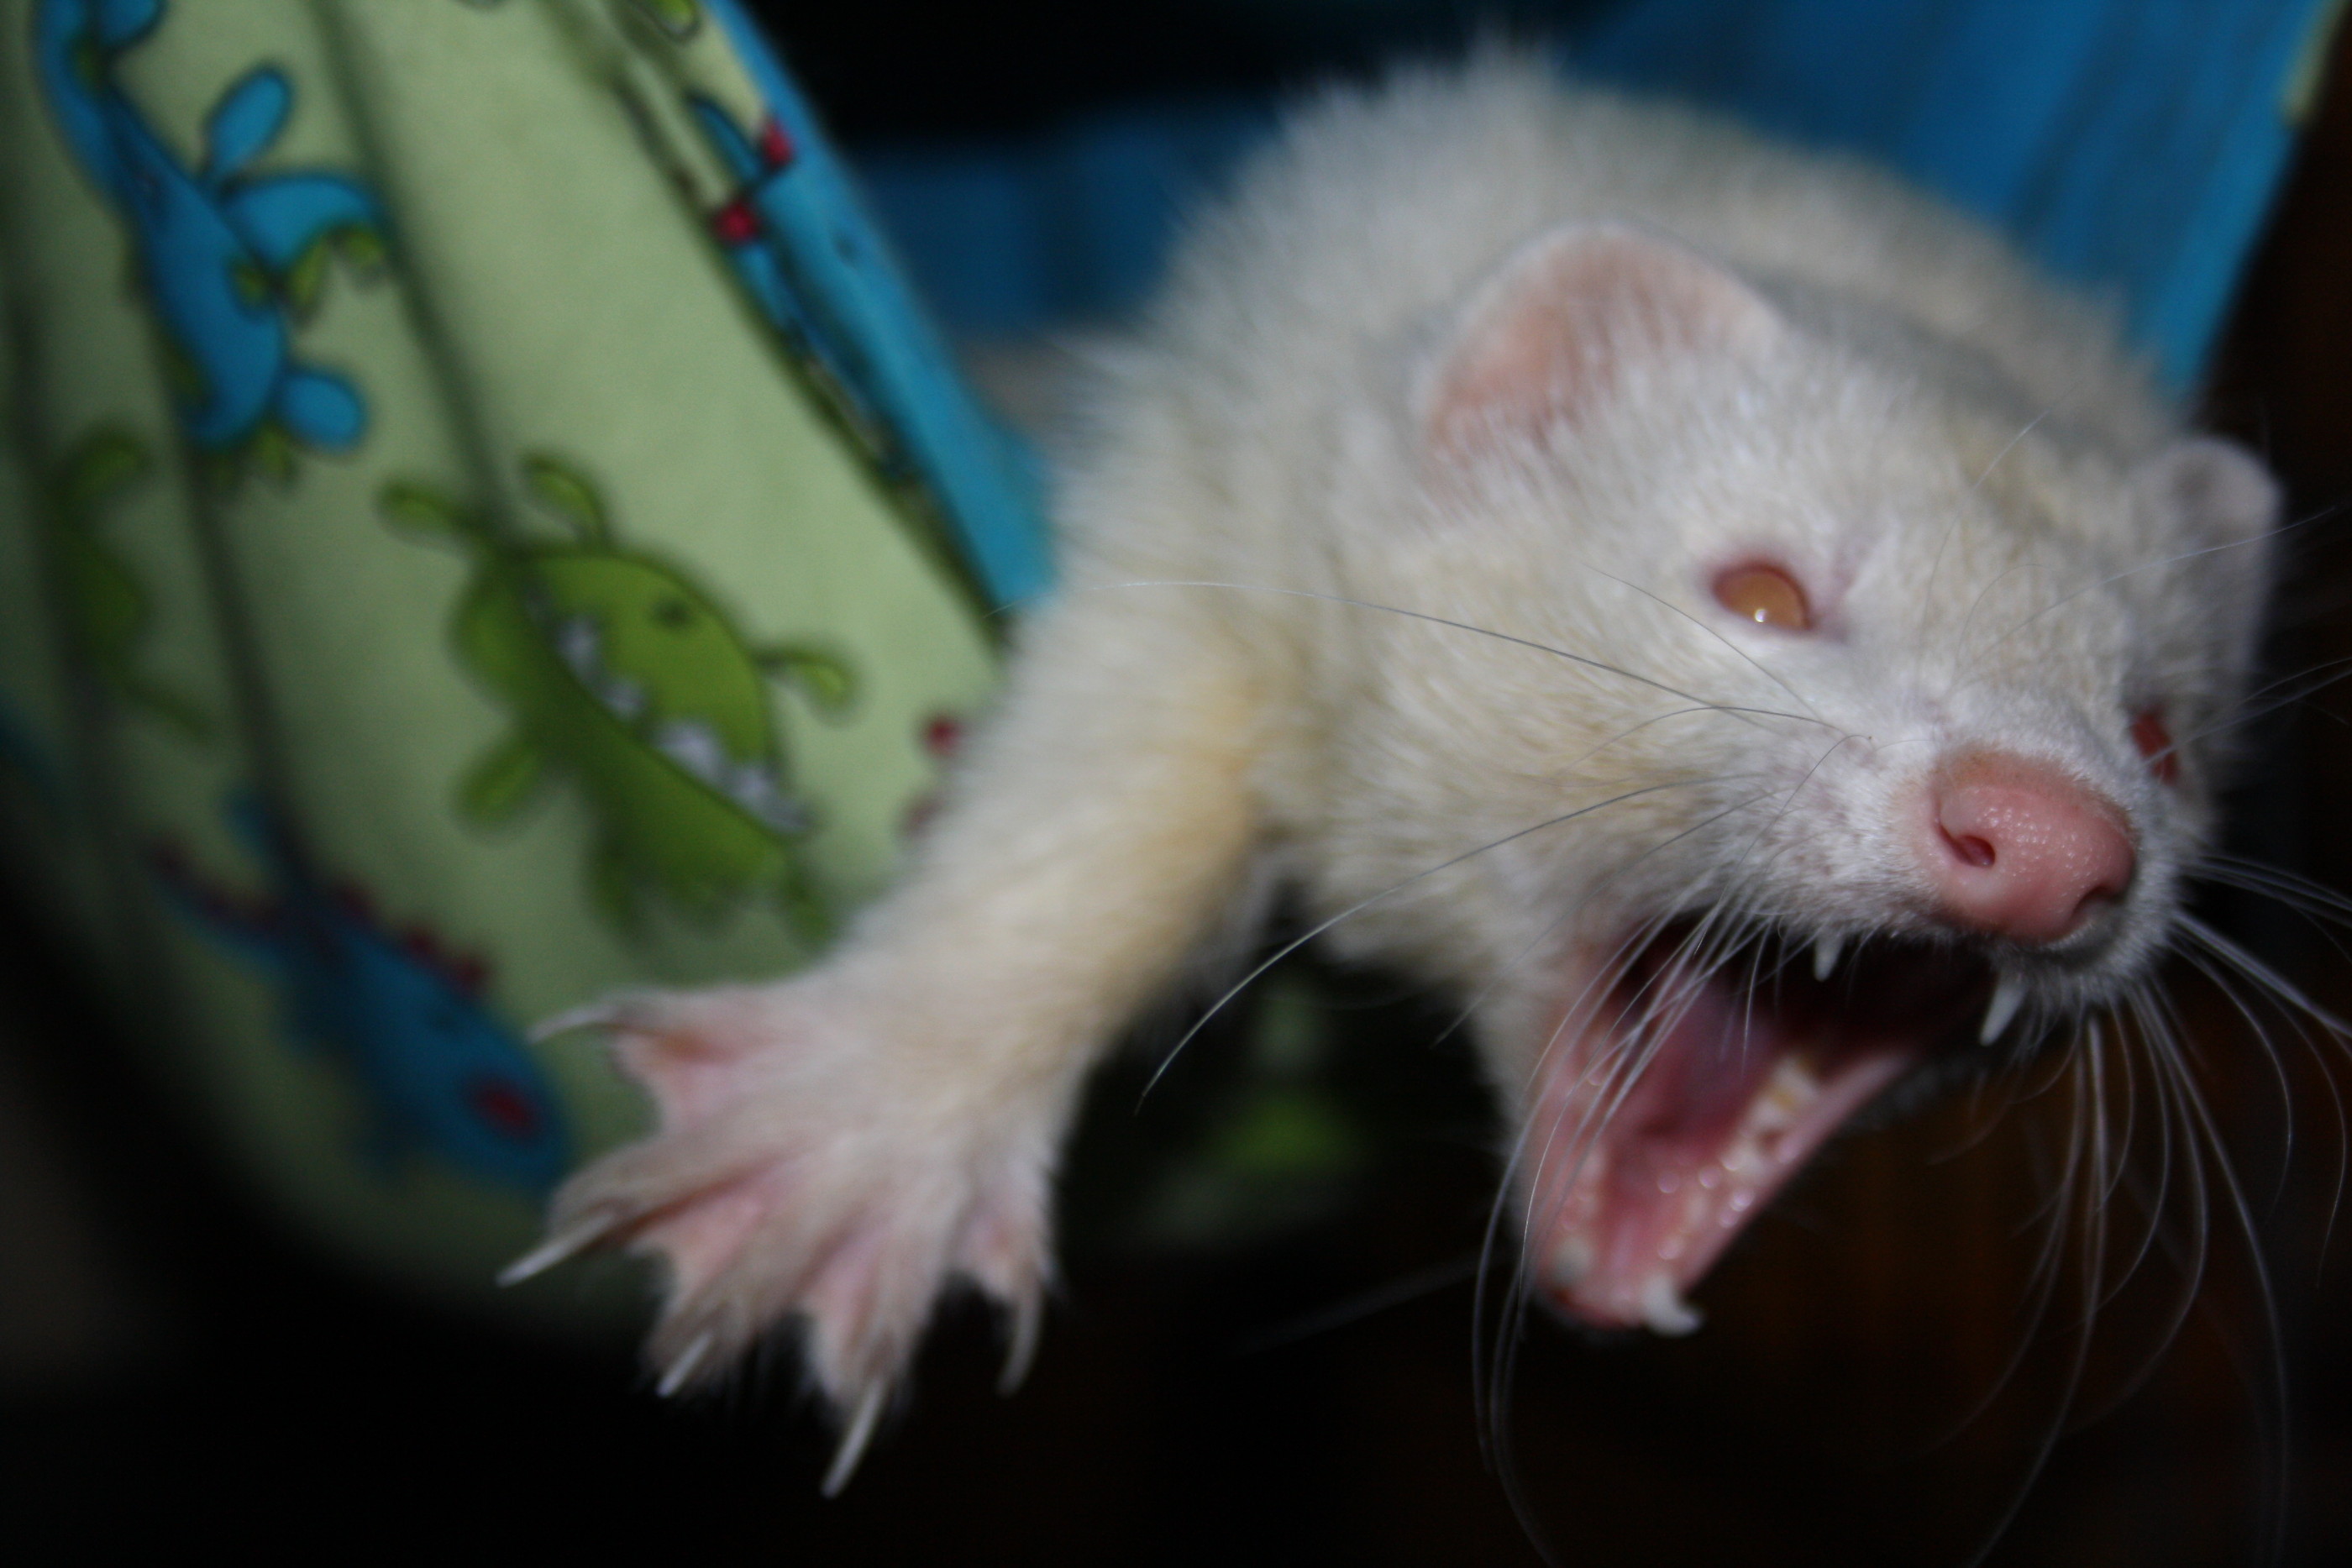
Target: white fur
1996,519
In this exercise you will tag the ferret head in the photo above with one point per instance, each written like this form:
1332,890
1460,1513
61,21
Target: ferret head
1831,712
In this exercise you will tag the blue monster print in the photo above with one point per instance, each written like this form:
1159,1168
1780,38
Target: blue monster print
227,257
406,1017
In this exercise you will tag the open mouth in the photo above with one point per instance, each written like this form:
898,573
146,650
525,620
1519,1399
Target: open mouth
1676,1101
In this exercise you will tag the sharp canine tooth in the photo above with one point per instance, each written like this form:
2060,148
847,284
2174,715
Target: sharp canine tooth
2007,996
1664,1309
1825,954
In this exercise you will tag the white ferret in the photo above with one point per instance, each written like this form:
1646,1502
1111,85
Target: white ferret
1706,609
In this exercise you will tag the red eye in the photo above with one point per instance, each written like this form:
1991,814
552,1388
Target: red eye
2155,742
1766,595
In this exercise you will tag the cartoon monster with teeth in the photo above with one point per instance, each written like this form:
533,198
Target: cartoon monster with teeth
627,678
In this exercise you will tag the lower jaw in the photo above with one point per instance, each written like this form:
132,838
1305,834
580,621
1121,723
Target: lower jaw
1646,1154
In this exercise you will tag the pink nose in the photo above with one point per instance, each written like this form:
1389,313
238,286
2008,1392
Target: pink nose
2023,852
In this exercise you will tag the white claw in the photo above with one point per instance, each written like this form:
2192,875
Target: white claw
674,1377
602,1014
556,1249
1825,954
2007,996
1664,1309
854,1439
1027,1316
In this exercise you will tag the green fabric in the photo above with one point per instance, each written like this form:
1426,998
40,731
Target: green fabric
550,632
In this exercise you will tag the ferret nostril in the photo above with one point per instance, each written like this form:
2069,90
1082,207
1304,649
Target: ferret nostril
2022,850
1969,847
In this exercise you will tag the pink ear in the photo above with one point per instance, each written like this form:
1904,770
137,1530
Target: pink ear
1557,325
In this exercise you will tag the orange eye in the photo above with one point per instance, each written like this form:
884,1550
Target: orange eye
2155,742
1766,595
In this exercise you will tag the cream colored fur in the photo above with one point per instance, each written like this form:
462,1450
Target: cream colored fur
1998,522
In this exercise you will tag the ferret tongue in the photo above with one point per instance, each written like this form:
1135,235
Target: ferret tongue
1727,1110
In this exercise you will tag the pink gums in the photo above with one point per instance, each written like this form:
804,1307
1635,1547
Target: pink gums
1638,1189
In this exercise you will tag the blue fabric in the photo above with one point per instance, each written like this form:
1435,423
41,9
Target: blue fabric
830,280
2133,145
1008,240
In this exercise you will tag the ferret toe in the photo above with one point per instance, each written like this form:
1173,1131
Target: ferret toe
799,1172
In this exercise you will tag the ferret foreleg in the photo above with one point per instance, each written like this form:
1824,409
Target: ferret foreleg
840,1146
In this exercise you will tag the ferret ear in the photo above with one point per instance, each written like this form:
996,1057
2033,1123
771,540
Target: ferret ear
2227,505
2218,488
1555,330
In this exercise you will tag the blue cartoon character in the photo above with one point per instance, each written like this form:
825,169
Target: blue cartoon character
228,258
440,1073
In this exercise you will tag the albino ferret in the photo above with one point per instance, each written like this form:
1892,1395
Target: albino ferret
1705,609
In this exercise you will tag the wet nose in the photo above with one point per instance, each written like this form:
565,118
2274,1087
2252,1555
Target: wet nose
2022,850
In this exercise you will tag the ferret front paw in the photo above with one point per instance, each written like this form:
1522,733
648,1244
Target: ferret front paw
816,1159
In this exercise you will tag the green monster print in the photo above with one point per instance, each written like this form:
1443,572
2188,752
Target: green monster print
105,607
678,18
625,676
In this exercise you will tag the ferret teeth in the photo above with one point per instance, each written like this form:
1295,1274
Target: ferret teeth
2007,996
1664,1309
1825,954
1571,1261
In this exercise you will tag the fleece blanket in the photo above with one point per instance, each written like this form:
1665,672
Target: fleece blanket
483,521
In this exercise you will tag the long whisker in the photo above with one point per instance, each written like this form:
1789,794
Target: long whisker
2241,1211
1631,1062
1661,1013
2317,907
2261,974
1469,1010
2091,1259
2161,1031
2042,1279
1618,1068
1936,566
2220,978
1390,892
2261,539
1969,619
1603,975
2298,1011
1761,668
1355,1309
1528,643
2260,704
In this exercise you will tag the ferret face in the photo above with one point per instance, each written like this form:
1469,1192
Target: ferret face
1838,726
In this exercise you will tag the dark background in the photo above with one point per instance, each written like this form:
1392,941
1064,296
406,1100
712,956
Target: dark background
175,1370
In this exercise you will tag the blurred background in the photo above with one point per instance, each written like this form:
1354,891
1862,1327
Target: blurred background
1233,1379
